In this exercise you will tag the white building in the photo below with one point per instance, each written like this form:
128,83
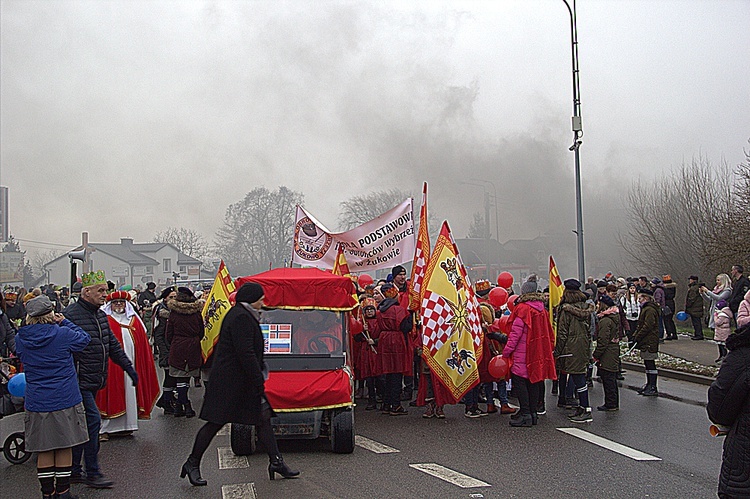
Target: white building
130,263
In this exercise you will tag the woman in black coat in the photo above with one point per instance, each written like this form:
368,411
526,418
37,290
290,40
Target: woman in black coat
729,406
235,393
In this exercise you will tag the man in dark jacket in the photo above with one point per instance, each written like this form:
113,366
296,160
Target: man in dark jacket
670,291
91,365
739,288
729,407
694,307
646,338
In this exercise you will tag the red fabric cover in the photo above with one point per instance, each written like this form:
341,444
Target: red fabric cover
540,342
111,399
299,288
291,391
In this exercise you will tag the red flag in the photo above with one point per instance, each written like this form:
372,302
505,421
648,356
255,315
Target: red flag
421,256
340,267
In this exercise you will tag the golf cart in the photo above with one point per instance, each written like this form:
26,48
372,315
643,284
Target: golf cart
305,324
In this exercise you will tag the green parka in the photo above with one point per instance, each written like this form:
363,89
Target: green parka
574,336
607,350
694,301
646,335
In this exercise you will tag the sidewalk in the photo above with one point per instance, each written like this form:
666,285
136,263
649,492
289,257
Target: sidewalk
703,352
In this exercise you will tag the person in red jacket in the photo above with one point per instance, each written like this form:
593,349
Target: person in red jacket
368,361
394,323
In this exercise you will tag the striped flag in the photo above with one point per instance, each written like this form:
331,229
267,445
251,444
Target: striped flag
340,267
421,256
556,289
216,307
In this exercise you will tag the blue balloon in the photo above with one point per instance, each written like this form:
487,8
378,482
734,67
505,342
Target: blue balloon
17,385
682,316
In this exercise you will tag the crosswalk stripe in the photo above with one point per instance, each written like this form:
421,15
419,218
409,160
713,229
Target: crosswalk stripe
373,446
610,445
228,460
449,475
238,491
224,430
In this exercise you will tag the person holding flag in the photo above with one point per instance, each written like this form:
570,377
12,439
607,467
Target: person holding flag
216,307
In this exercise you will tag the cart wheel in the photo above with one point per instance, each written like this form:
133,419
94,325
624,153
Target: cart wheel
342,432
242,439
14,448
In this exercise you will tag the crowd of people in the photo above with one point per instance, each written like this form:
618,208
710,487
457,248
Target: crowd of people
102,346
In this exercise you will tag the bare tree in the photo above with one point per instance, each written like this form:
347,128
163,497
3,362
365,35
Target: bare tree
258,231
187,241
359,209
42,258
675,221
478,228
734,245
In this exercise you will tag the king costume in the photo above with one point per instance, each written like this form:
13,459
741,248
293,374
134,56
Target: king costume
120,403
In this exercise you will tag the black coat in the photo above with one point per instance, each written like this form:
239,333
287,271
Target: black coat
159,320
91,362
739,289
7,336
729,405
235,385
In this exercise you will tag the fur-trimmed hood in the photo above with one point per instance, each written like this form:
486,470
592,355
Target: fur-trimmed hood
536,296
184,308
581,309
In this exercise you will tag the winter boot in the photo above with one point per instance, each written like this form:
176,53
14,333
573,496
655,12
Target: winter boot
582,415
523,421
166,401
182,399
651,390
277,465
189,412
192,470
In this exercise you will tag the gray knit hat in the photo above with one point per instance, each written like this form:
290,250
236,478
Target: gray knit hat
528,287
41,305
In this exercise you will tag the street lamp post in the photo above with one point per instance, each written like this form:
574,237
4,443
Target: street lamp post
577,136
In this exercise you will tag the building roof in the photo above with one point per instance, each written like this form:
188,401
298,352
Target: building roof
134,253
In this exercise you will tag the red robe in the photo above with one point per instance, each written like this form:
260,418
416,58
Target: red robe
368,360
111,398
540,342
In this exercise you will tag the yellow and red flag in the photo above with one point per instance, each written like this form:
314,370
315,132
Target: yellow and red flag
556,289
216,307
340,267
421,256
452,332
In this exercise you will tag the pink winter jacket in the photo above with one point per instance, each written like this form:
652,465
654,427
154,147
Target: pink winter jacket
722,324
743,313
516,346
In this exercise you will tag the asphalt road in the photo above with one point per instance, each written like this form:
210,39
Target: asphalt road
542,461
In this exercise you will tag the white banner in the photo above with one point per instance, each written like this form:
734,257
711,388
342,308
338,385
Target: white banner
381,243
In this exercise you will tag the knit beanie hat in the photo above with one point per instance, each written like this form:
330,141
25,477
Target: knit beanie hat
572,284
250,292
528,287
41,305
398,269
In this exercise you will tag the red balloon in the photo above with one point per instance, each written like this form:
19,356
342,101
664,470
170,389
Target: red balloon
498,297
512,302
505,280
365,280
498,367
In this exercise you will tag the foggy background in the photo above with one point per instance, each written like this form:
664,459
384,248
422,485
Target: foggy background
122,118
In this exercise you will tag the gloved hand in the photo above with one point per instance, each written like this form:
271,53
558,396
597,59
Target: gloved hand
133,376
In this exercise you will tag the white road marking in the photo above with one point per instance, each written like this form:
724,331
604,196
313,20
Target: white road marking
228,461
610,445
449,475
224,429
373,446
238,491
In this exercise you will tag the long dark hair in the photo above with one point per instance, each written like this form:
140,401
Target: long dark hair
573,296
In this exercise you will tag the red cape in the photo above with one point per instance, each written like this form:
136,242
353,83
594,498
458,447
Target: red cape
540,342
111,398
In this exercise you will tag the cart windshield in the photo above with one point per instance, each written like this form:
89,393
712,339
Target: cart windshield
302,331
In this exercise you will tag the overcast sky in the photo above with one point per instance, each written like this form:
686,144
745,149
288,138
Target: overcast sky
122,118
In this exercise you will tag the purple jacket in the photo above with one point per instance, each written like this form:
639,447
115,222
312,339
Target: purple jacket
516,346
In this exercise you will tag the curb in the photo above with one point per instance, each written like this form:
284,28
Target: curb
672,374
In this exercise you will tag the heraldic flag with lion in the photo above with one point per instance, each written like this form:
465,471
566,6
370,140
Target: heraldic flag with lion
451,328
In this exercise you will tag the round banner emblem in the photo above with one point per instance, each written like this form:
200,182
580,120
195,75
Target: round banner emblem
310,243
